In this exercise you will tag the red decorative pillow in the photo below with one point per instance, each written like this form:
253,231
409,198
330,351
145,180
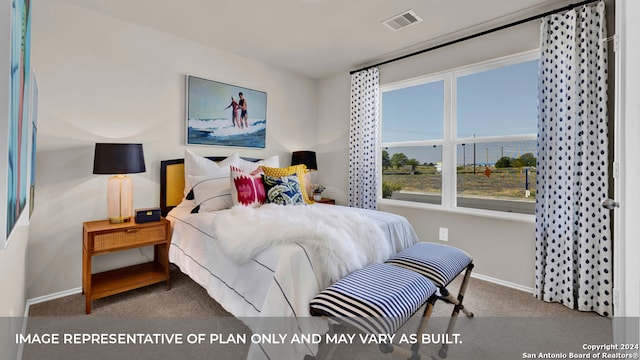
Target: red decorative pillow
247,189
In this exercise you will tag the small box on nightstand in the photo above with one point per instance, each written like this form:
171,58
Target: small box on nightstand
147,215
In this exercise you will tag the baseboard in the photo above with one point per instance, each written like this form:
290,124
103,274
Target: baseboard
37,300
53,296
502,282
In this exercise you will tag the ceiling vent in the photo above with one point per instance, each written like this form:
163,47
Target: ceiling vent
403,20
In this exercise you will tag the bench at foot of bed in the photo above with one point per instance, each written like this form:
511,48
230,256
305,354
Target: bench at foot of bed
379,298
441,264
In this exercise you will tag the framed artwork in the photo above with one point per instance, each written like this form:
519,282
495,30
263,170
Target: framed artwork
225,115
18,127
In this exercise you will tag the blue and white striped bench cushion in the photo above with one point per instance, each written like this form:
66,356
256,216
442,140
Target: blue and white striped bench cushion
440,263
377,299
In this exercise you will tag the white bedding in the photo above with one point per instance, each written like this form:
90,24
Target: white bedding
279,282
345,240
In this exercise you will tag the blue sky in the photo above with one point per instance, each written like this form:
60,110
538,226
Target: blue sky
502,101
496,102
414,113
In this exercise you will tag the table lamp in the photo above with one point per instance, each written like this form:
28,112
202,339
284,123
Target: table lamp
118,160
307,158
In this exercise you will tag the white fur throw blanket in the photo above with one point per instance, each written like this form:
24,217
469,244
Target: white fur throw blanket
343,241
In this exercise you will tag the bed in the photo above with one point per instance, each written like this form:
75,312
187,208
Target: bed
282,277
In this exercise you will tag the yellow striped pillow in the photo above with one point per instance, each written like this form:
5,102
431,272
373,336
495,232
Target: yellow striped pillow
299,170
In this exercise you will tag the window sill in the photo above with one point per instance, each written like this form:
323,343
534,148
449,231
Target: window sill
500,215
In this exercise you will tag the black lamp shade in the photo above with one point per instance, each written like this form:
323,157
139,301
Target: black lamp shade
305,157
118,159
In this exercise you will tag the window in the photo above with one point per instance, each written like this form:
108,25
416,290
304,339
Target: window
465,138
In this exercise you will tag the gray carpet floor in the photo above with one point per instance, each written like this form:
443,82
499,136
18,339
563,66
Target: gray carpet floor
188,299
508,324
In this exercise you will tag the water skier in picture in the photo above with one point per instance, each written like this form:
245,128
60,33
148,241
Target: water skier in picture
234,112
243,108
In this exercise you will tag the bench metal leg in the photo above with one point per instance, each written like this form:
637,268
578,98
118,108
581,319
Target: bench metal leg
413,353
458,306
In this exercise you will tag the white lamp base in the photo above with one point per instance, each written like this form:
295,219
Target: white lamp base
119,199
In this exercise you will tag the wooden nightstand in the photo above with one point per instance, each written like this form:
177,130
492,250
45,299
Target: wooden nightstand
101,237
326,201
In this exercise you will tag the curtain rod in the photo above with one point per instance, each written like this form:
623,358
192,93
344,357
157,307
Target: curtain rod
485,32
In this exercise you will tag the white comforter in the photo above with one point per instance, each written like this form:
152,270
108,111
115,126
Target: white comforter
345,240
284,275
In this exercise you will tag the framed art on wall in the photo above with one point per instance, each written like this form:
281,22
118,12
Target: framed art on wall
225,115
18,127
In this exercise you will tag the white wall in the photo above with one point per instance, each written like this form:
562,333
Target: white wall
12,283
101,79
629,28
332,150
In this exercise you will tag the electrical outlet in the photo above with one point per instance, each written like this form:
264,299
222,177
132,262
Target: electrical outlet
444,234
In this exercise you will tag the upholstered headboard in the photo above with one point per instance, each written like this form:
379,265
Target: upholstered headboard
172,181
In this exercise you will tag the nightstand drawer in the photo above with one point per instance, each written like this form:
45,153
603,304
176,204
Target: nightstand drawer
129,237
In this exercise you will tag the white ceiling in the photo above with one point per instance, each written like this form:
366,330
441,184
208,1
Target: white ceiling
317,38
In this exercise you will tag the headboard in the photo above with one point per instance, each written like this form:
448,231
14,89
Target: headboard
172,181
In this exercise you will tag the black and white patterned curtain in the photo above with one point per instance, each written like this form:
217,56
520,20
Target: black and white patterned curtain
363,139
573,241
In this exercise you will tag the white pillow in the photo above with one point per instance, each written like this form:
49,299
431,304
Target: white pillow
196,165
212,192
249,166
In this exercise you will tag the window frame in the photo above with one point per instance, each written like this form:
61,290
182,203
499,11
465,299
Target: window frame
450,141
